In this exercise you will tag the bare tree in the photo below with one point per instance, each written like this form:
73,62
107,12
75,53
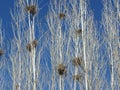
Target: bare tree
111,27
3,63
72,56
82,44
57,21
26,49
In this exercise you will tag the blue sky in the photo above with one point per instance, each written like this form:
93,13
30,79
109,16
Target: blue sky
5,7
96,6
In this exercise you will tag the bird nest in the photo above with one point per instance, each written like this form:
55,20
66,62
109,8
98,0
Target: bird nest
35,43
1,52
79,31
77,61
29,47
32,45
31,9
61,15
17,86
78,77
61,69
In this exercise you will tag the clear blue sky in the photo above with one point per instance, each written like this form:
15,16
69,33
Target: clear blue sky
5,7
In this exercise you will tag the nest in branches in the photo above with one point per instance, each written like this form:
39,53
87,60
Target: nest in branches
61,15
77,77
17,86
77,61
1,52
35,43
31,45
61,68
79,31
31,9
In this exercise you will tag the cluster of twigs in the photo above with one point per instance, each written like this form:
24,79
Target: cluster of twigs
62,70
79,31
1,52
31,45
32,9
77,77
61,15
78,61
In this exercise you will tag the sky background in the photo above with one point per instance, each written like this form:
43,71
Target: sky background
5,8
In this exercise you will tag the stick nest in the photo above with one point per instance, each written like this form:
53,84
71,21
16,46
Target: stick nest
79,31
77,61
1,52
62,15
31,9
78,78
32,45
61,68
17,86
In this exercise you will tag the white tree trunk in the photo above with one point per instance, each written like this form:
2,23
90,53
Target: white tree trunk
82,7
60,83
76,72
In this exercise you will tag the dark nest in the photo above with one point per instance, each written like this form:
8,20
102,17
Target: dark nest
1,52
61,15
32,45
79,31
77,61
29,47
61,68
31,9
77,77
17,86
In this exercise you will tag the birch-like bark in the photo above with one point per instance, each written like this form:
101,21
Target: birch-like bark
55,24
82,3
16,58
3,59
24,33
111,23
